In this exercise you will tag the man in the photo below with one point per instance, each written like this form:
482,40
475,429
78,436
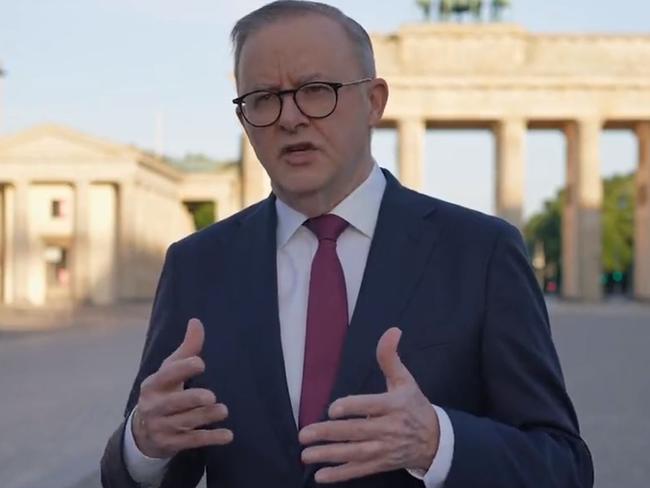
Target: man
345,329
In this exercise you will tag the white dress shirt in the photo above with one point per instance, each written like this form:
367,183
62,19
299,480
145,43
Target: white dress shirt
296,247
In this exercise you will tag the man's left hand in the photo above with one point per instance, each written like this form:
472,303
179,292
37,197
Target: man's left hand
393,430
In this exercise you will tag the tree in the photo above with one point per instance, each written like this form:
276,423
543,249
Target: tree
546,228
617,233
203,213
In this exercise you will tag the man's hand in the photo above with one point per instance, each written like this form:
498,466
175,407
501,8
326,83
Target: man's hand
168,418
397,429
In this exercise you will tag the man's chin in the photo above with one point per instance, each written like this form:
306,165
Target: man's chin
301,188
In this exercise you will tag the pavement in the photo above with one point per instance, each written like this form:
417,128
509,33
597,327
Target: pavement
63,389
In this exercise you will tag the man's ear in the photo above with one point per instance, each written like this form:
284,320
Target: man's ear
378,98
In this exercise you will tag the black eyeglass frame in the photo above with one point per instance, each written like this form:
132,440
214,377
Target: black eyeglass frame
239,101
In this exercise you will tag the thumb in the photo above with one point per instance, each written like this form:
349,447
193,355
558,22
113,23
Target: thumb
193,341
389,361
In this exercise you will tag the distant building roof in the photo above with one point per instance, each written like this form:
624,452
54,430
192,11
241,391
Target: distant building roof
199,163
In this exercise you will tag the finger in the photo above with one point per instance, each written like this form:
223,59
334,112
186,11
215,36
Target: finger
181,401
389,362
348,471
342,453
342,430
175,373
373,405
192,343
204,437
195,418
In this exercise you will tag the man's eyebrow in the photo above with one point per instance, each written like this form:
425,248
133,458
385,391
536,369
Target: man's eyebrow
299,81
312,77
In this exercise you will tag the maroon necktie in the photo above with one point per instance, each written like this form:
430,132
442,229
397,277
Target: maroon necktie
327,319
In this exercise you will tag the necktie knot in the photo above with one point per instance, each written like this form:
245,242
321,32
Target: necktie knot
327,227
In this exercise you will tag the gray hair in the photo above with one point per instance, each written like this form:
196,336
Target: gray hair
282,9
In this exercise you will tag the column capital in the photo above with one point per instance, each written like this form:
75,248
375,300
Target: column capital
79,182
588,122
19,182
419,118
511,120
642,130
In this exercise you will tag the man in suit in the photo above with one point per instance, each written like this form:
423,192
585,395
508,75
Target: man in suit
346,329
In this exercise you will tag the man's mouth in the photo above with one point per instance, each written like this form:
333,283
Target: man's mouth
299,148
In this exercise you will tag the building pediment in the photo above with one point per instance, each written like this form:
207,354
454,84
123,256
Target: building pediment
57,143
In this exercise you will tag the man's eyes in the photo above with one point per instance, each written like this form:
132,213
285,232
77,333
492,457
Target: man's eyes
315,88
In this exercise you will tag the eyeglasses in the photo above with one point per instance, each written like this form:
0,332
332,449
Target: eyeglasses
316,100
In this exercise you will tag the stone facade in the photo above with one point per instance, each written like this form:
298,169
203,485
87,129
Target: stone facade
85,220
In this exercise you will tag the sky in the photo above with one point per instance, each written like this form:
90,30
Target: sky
122,69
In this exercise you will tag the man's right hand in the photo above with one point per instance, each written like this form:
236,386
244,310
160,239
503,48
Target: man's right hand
168,418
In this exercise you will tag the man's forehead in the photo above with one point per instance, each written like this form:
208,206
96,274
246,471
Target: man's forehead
313,32
300,52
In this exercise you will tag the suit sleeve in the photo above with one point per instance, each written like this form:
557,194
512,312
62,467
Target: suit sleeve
529,436
165,333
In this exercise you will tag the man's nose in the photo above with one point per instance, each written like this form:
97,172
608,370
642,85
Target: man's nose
291,117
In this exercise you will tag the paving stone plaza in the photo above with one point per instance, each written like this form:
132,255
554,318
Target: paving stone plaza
63,390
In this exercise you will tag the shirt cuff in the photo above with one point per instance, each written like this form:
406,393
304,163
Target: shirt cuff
143,469
436,476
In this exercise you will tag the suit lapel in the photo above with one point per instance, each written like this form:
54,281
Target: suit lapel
255,298
403,241
404,238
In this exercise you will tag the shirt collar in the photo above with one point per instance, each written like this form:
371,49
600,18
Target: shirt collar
360,209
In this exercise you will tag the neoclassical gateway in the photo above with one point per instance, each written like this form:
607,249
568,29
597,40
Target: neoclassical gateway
84,220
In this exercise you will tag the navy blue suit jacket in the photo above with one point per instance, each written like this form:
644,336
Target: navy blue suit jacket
476,338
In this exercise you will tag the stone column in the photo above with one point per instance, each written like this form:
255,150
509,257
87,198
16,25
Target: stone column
581,219
410,151
81,243
255,181
642,216
510,159
126,239
3,244
21,245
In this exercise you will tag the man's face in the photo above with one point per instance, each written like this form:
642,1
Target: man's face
285,55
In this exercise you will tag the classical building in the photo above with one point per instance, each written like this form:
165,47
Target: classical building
122,207
85,220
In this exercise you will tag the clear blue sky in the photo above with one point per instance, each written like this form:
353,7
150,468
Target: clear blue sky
107,67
